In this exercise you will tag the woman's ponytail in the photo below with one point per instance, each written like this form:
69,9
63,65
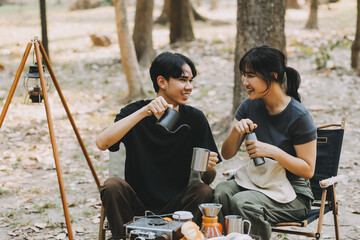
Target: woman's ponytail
293,80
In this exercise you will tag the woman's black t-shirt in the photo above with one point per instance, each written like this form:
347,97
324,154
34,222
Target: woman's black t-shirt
293,126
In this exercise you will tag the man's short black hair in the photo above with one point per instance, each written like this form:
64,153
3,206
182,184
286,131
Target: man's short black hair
168,65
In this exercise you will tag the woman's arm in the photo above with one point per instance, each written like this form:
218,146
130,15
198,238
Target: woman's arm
236,136
303,165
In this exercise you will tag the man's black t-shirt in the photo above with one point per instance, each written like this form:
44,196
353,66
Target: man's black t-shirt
158,163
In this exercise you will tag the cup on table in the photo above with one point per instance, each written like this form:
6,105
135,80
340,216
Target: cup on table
182,216
235,223
200,159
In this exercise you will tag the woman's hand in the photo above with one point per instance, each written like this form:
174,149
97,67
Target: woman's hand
244,126
236,136
256,148
213,159
157,107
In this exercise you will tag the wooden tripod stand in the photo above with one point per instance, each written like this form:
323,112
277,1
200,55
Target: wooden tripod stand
39,50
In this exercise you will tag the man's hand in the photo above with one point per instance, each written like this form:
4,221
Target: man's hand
213,159
157,107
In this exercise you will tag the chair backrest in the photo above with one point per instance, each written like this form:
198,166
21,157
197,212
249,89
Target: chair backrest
117,162
329,144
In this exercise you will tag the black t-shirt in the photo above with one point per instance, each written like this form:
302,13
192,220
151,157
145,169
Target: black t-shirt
293,126
157,164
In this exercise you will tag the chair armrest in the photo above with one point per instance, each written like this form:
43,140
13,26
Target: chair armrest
331,181
230,172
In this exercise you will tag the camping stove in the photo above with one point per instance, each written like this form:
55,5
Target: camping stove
154,227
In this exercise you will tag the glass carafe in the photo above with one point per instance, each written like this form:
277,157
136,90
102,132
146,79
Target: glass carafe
210,227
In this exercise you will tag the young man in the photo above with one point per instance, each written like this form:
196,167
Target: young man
157,165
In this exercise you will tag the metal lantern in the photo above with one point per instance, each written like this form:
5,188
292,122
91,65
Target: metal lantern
32,84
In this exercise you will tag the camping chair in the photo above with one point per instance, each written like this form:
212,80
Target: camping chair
117,169
329,143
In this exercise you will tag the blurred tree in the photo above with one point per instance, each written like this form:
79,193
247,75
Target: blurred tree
214,4
83,4
197,16
312,22
44,35
180,21
164,16
292,4
142,34
127,51
355,48
163,19
258,22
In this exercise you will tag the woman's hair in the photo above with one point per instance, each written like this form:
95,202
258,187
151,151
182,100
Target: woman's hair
264,61
168,65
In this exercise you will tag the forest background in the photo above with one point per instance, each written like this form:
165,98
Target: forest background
94,84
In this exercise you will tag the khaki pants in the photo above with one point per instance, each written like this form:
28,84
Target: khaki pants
122,204
256,207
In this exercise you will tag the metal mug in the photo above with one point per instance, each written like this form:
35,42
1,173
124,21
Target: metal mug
200,159
235,223
168,119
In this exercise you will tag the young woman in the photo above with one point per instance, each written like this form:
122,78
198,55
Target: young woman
278,190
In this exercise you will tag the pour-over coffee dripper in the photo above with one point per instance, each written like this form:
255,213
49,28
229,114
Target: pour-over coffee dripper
210,209
210,225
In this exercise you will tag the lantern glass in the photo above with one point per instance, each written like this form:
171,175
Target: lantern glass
32,85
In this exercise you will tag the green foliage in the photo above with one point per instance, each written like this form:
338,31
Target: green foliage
38,209
3,191
50,204
282,236
322,53
87,213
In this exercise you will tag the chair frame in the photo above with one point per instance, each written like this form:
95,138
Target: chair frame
324,202
103,225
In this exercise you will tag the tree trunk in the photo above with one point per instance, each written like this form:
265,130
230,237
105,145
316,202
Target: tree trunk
127,51
312,22
197,15
214,5
142,35
355,48
258,22
292,4
180,22
163,19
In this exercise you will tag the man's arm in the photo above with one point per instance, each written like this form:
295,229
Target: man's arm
117,130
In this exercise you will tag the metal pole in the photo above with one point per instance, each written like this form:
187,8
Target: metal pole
43,25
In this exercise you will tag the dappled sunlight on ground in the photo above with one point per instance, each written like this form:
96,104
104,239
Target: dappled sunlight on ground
93,84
